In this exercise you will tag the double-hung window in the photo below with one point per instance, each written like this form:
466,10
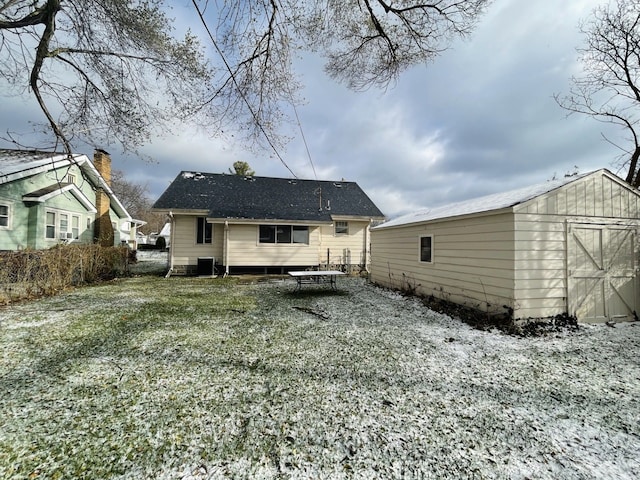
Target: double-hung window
284,234
426,248
341,228
61,226
50,225
5,213
204,231
75,226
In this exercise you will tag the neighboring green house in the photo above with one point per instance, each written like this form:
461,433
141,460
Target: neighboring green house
50,198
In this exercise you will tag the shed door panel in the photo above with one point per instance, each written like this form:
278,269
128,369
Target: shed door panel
602,273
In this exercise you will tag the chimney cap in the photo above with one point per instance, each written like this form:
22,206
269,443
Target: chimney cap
99,150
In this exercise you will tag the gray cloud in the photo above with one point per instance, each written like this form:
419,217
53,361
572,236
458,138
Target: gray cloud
479,120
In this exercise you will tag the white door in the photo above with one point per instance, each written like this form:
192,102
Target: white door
601,264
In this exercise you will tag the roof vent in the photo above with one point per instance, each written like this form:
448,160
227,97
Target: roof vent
337,185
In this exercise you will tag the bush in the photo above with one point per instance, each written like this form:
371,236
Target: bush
34,273
161,243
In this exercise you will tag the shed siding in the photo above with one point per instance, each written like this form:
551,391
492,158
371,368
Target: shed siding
514,259
473,260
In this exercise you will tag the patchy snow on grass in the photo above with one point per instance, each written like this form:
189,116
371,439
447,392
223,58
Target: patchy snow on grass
214,379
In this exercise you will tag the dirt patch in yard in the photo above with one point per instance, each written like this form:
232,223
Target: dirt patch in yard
504,323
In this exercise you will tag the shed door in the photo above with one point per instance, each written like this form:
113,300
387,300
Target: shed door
602,272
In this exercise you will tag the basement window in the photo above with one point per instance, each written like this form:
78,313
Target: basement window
204,231
426,248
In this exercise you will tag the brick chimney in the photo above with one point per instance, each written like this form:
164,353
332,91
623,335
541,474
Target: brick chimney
102,162
102,228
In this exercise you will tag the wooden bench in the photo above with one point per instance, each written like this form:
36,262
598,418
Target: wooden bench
316,277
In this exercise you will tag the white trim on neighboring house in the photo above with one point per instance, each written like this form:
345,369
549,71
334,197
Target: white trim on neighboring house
45,165
71,188
58,234
9,214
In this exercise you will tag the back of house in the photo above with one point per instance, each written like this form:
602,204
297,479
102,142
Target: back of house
225,223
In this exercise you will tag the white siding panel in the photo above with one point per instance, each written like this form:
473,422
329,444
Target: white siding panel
184,249
245,249
473,260
336,246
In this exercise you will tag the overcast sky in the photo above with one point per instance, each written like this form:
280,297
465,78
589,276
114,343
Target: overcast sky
481,119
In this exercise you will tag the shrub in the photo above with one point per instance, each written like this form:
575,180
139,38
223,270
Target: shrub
33,273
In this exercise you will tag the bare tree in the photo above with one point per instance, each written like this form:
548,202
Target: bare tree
609,89
366,43
103,70
135,198
111,70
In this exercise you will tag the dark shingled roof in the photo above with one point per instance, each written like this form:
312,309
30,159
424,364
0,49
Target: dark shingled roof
256,198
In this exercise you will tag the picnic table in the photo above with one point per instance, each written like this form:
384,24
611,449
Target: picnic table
316,277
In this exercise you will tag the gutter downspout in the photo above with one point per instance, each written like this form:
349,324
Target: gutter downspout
171,238
366,247
225,253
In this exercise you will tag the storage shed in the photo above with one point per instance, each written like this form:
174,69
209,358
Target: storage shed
567,246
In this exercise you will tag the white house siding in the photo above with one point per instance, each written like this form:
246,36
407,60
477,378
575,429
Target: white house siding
184,249
246,251
472,260
345,249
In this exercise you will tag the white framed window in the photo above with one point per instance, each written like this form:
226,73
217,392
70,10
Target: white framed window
50,225
426,249
284,234
61,225
5,216
341,228
75,226
204,231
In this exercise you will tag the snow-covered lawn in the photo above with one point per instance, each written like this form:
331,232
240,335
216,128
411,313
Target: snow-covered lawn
185,378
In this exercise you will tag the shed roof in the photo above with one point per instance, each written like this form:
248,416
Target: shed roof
265,198
496,201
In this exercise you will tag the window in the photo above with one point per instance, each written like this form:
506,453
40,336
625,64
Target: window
341,228
204,231
64,225
284,234
267,234
75,226
4,216
426,249
50,227
71,178
300,234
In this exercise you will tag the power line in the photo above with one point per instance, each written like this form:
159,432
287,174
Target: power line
244,98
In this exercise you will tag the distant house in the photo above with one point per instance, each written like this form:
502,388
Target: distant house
48,198
563,247
235,224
